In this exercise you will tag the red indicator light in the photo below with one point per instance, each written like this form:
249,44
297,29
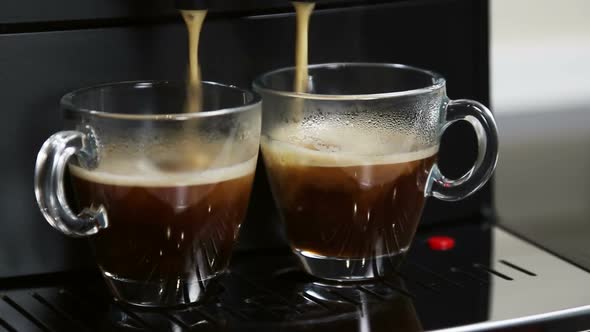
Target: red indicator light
441,243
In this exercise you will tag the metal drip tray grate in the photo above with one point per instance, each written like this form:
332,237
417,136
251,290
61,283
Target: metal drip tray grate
491,279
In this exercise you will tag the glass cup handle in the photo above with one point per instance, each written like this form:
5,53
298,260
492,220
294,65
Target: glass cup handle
52,161
482,120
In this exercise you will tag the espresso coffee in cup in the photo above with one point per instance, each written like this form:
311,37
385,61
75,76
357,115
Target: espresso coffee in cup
160,193
352,160
345,193
165,226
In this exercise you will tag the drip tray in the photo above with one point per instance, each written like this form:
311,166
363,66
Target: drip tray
489,280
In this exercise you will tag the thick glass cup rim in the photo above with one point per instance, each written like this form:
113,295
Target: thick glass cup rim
437,79
67,102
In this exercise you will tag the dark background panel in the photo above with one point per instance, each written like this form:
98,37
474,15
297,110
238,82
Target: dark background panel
65,11
38,68
28,11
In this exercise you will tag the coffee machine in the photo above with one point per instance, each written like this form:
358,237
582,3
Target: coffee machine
478,276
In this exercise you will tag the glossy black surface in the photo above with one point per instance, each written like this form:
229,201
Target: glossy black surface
267,291
448,36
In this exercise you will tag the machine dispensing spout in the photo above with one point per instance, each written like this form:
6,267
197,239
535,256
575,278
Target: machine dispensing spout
193,4
217,4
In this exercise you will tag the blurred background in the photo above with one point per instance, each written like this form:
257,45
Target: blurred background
540,79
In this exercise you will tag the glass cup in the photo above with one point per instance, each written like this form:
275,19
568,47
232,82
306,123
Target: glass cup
351,161
160,193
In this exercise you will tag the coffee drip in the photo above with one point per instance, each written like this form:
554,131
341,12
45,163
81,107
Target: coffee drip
186,156
194,16
194,22
303,11
194,19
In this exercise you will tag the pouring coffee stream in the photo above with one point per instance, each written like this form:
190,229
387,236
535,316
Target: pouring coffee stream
185,159
194,13
303,11
194,22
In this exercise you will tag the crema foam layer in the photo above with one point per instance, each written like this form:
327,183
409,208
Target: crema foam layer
142,173
343,147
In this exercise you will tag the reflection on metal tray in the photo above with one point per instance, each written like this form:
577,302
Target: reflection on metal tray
489,280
